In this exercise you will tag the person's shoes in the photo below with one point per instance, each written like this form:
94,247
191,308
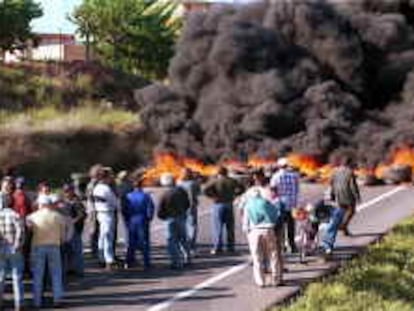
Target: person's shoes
215,251
327,255
58,304
110,267
346,232
276,283
231,252
176,266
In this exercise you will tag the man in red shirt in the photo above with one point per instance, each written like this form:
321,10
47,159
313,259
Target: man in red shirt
21,202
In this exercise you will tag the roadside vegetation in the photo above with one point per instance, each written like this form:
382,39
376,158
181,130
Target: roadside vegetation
51,119
381,280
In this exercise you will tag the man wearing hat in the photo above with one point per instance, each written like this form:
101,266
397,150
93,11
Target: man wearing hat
286,181
50,231
138,211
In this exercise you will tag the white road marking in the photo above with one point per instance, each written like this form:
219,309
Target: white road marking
380,198
207,283
221,276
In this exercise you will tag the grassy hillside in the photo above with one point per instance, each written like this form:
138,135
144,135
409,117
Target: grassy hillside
66,85
60,118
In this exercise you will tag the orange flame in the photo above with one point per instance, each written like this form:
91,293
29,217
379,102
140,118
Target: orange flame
306,164
401,156
257,162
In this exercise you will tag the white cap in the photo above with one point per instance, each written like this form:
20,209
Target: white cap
282,162
167,180
44,199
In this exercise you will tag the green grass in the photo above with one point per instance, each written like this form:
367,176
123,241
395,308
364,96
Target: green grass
380,280
52,119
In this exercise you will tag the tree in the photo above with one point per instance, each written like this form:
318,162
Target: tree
15,18
136,36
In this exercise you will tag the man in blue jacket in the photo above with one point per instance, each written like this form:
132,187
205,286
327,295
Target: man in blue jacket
138,212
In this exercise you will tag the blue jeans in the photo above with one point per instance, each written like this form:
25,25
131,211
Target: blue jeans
177,245
328,240
15,263
76,260
192,227
223,217
51,255
138,238
106,222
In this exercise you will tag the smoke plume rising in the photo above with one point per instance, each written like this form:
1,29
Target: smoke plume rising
318,77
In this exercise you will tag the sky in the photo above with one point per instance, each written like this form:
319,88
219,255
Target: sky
54,19
55,12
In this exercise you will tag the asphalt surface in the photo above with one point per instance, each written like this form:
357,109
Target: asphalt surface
225,282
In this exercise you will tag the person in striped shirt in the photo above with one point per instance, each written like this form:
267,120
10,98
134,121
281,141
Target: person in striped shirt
286,181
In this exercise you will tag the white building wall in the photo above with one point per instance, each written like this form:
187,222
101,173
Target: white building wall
49,52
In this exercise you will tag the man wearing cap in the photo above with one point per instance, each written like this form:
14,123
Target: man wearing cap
106,205
286,181
11,243
138,211
50,231
173,207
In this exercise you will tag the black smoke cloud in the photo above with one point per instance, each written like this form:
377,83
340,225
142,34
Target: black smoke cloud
319,77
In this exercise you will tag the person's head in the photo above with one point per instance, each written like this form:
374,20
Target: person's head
347,161
107,176
259,178
222,171
20,183
137,179
68,191
7,185
43,188
95,171
167,180
122,176
282,162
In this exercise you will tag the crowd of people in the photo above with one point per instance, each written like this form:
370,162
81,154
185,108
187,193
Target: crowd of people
44,232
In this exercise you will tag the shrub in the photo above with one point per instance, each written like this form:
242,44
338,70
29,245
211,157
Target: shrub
382,279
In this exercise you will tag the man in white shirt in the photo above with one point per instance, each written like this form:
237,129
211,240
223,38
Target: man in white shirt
105,204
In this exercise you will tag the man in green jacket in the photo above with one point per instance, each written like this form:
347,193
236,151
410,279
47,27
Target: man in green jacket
223,190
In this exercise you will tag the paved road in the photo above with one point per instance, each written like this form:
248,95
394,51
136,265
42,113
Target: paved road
225,282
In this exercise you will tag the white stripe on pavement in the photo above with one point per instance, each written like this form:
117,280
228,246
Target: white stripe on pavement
221,276
207,283
380,197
